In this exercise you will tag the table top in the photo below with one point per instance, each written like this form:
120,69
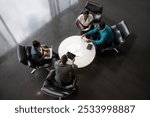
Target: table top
77,46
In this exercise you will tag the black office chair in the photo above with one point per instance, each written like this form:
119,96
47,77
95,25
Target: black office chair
95,9
52,88
121,33
24,56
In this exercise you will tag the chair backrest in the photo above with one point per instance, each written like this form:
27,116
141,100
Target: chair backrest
122,26
50,89
29,57
118,37
94,7
22,56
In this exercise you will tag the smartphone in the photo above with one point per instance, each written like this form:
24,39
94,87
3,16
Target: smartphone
89,46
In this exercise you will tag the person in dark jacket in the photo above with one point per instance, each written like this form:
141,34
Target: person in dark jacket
64,73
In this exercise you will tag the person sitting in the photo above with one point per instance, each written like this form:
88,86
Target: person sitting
84,22
64,73
40,54
104,34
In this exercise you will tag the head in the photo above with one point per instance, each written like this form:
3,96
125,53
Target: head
86,13
102,25
36,44
64,59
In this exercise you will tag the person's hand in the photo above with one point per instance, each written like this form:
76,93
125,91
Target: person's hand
82,28
85,29
83,36
88,40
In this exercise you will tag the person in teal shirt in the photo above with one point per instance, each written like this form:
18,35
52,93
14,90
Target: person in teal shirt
104,34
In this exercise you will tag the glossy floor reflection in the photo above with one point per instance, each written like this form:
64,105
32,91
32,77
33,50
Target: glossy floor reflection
109,76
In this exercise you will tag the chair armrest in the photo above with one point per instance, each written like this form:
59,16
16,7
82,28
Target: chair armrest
122,26
97,17
51,75
22,56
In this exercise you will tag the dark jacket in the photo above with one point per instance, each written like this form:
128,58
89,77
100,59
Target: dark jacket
37,56
64,73
104,35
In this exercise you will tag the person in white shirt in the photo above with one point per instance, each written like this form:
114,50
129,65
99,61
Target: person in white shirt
84,22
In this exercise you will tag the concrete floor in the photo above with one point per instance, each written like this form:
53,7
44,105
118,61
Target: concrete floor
123,76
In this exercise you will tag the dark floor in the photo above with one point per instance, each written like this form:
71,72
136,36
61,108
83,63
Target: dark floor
110,76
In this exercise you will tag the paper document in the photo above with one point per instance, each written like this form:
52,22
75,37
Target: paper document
73,48
79,54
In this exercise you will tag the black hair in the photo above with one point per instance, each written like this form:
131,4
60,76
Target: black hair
102,24
35,43
64,59
86,12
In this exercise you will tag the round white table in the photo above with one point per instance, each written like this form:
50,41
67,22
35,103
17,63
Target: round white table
77,46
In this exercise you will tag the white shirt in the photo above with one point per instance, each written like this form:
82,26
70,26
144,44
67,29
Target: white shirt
87,21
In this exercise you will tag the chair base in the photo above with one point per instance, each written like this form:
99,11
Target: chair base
46,66
115,49
33,71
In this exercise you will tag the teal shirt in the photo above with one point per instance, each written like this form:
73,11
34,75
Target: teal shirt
104,35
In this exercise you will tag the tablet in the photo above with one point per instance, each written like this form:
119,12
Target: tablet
71,55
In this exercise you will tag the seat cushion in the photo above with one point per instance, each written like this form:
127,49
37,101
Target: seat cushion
54,91
22,56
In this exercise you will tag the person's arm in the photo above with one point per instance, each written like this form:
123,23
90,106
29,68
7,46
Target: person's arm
100,41
88,28
80,25
75,67
38,59
91,32
45,48
91,21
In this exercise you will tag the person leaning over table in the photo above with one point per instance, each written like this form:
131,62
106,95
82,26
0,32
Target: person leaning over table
104,32
84,21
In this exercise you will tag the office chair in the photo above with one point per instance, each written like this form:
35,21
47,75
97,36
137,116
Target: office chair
121,33
24,56
95,9
50,88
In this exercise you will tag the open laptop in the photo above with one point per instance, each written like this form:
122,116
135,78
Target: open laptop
50,54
